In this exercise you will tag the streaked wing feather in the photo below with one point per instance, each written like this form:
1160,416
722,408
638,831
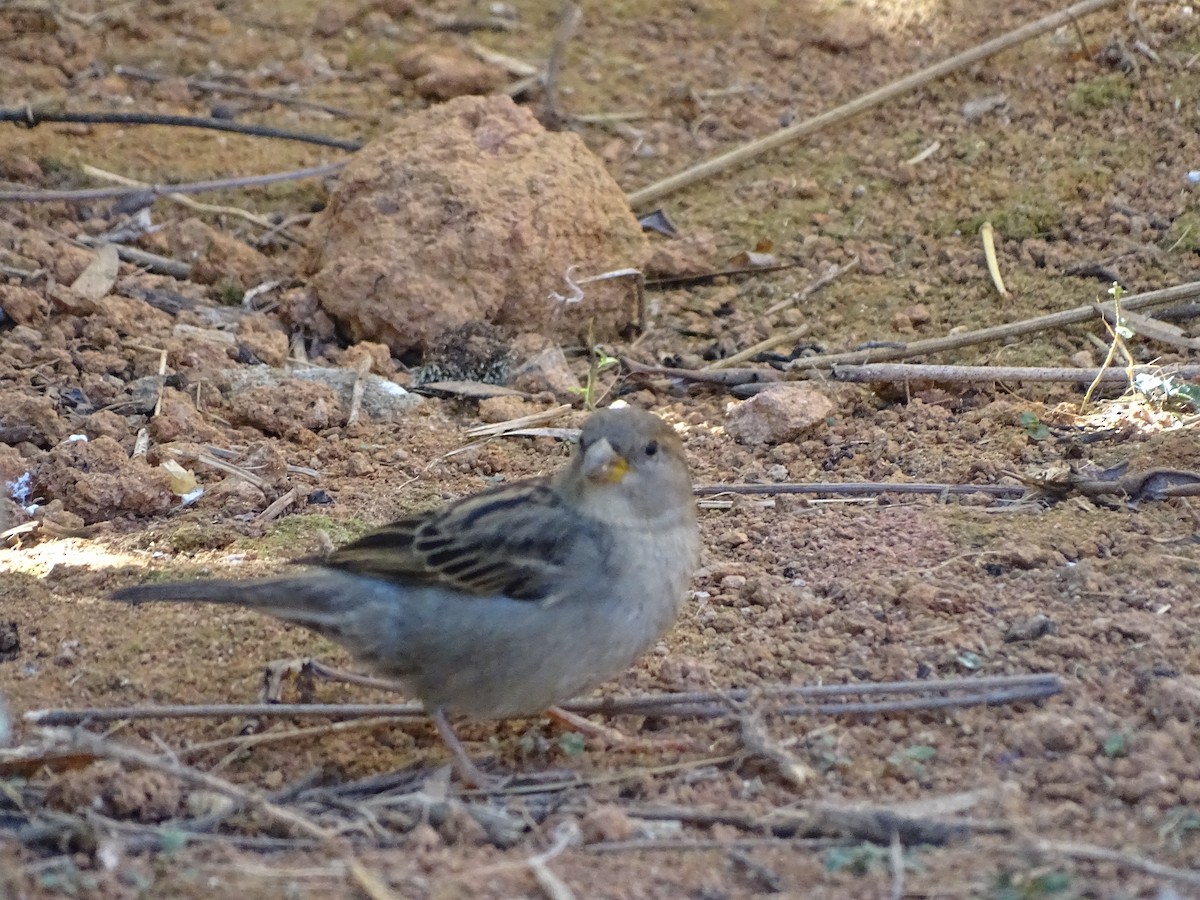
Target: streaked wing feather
512,540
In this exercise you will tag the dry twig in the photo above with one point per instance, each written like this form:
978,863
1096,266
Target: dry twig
1074,316
901,372
932,693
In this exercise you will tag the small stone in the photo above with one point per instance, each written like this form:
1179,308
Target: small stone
216,256
235,496
1137,788
918,314
781,413
445,74
606,823
23,306
207,803
1030,629
1057,733
1177,698
503,409
369,356
547,371
143,795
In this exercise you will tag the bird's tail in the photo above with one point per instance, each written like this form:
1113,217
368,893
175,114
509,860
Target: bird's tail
318,601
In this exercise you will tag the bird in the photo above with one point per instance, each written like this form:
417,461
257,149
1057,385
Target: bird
504,603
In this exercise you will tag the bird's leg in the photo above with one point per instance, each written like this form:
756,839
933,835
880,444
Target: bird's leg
613,737
275,673
467,770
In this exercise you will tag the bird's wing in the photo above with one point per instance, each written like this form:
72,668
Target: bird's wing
519,541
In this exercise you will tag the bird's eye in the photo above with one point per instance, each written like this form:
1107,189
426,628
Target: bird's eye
652,448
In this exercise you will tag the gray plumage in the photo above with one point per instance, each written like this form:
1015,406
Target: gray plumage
512,600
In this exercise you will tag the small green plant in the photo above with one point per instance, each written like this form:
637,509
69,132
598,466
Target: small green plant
911,760
1116,744
228,292
1120,333
1034,427
1031,886
1180,823
1102,92
599,362
571,743
863,859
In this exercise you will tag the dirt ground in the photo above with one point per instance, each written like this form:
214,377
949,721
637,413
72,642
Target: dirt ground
1078,156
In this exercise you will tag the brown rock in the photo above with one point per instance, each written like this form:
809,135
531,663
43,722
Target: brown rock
502,409
331,20
547,371
98,481
680,259
448,73
215,256
469,212
143,795
780,413
19,167
179,420
287,410
264,339
32,419
23,306
105,423
606,822
1177,697
369,356
234,496
382,400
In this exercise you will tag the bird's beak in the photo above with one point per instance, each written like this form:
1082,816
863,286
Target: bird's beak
604,465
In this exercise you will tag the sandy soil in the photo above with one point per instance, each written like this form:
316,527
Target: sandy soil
1082,169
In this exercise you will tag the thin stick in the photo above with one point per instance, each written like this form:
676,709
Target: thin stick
726,377
243,742
278,506
143,259
31,117
859,488
208,459
537,418
831,274
217,87
884,372
361,370
705,844
647,704
644,196
568,22
184,200
998,332
194,187
1095,853
370,883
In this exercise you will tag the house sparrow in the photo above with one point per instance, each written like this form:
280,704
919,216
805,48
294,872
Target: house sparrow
509,601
